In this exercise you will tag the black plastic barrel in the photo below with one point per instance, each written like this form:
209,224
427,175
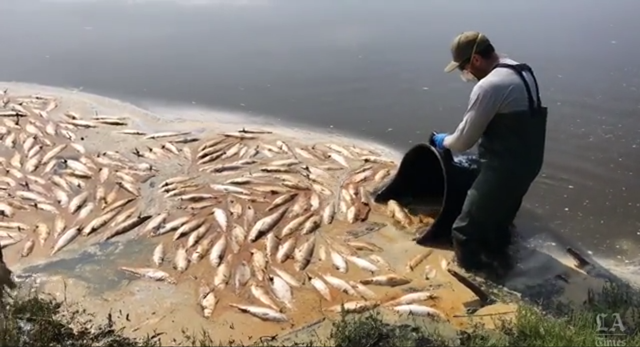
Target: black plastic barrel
431,178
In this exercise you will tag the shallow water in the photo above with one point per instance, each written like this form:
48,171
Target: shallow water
372,68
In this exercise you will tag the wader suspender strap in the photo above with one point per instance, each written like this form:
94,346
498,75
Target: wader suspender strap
519,69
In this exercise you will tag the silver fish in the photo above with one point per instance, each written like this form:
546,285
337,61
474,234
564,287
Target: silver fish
266,224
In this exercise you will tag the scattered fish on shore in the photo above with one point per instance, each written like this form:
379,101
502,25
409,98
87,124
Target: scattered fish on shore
252,212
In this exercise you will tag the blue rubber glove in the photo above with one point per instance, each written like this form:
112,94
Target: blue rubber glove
438,140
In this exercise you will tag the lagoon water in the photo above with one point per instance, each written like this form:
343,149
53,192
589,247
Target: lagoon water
370,68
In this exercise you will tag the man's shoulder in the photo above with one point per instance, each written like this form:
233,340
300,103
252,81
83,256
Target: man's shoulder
499,80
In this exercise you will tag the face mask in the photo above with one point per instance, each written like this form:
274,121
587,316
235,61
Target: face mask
468,76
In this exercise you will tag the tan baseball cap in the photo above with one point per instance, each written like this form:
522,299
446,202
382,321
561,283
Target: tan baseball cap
464,46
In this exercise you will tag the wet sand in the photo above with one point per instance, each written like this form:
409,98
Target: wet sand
87,270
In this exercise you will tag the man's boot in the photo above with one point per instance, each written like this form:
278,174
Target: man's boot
468,256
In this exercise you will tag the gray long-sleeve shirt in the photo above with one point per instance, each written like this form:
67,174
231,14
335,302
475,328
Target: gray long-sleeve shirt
501,91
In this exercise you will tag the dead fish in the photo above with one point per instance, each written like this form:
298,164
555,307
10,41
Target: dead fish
376,159
339,159
352,214
223,274
311,225
77,202
390,280
200,205
131,132
59,224
42,231
85,211
304,254
259,264
281,201
6,210
340,285
175,180
126,226
364,246
116,205
363,264
294,225
208,304
306,154
154,223
235,208
166,134
286,250
31,196
410,298
173,225
123,216
299,207
320,286
249,216
266,224
272,242
181,260
218,251
322,253
66,238
362,290
362,176
221,218
444,264
210,143
418,310
396,211
281,290
417,260
381,175
343,151
150,273
355,306
189,227
8,242
292,281
198,234
16,160
241,180
380,261
262,295
129,187
202,249
339,263
429,273
99,222
242,275
328,213
262,313
238,236
158,254
28,248
78,147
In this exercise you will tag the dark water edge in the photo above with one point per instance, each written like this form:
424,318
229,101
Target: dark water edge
370,68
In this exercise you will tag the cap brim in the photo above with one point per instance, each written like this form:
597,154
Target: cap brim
452,66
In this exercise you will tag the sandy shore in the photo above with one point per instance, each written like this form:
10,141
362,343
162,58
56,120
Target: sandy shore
265,167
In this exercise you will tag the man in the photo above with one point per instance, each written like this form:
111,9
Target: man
506,116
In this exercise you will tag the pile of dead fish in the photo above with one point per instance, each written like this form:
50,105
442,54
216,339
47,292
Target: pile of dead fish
259,211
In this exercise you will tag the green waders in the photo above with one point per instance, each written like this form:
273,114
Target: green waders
511,152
